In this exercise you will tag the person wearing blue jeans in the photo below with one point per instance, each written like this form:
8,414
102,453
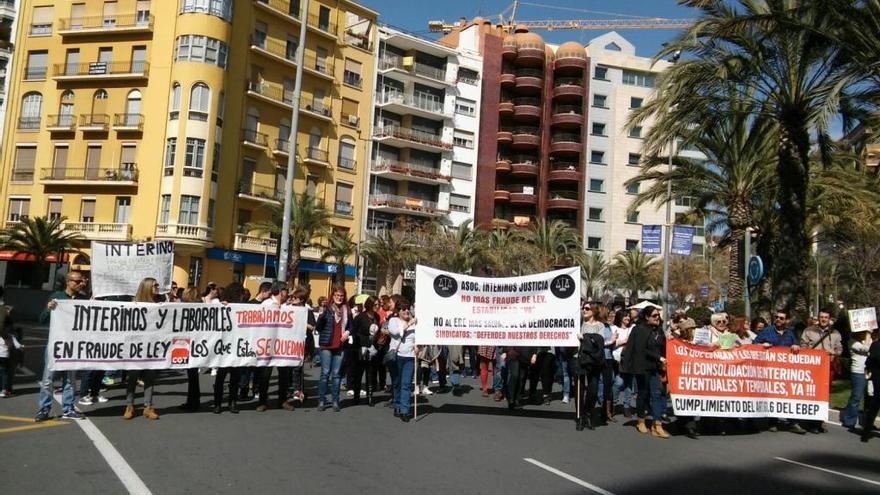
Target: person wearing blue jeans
403,339
861,342
403,386
334,330
562,369
500,374
331,362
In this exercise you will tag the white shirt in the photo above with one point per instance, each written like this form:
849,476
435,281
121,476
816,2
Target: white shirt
858,356
622,335
395,330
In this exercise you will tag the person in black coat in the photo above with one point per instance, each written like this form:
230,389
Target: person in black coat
364,330
645,358
518,360
872,366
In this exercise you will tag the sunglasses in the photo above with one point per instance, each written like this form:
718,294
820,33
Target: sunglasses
780,317
77,281
655,315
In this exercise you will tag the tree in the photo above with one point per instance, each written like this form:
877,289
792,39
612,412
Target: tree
456,249
308,221
507,254
686,274
634,271
782,58
339,247
594,272
555,241
39,238
391,250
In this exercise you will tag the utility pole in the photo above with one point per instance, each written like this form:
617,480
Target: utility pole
284,251
747,256
667,244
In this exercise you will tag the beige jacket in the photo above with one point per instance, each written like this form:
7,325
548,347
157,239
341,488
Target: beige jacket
832,344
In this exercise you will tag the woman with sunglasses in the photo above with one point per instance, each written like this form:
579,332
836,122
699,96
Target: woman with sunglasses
334,329
403,342
147,292
622,328
586,367
645,357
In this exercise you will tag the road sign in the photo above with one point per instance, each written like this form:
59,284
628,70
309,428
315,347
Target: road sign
756,270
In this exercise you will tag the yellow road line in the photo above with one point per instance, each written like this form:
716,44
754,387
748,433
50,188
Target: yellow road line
20,419
35,426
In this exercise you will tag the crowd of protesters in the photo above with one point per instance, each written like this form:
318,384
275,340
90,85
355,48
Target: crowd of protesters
619,368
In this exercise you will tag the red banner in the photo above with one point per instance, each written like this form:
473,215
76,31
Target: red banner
747,382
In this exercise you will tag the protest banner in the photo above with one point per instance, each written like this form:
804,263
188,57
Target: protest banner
105,335
118,268
533,310
863,320
747,382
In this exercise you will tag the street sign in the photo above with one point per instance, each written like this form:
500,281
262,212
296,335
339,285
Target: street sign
756,270
682,240
650,239
704,291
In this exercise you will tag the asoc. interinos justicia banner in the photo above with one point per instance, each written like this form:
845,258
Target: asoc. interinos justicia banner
533,310
103,335
747,382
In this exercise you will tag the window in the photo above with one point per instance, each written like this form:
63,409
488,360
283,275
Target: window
697,249
133,108
352,73
597,157
594,243
142,15
462,171
105,54
634,159
463,138
126,158
212,204
199,102
635,102
635,78
25,159
123,207
323,18
87,211
93,161
189,210
600,101
99,106
632,244
138,59
53,211
601,73
41,21
170,155
215,163
218,8
174,110
221,109
466,107
195,157
59,163
598,129
468,76
595,214
36,65
632,188
194,48
685,201
31,108
632,217
290,48
635,132
164,208
346,154
109,14
312,186
18,209
259,37
597,185
71,62
343,199
195,271
458,202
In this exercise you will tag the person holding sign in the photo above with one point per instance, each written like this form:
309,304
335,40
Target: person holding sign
860,343
334,329
147,292
779,335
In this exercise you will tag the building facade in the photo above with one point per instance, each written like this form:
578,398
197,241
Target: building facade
8,10
141,120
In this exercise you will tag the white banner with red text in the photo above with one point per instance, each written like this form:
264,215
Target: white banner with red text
104,335
533,310
747,382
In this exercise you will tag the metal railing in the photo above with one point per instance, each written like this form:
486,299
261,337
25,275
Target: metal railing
566,166
252,136
282,145
62,121
117,174
343,208
317,154
531,131
563,195
568,81
264,192
281,6
563,137
322,66
22,175
310,104
420,100
404,202
272,92
385,165
32,73
98,69
412,135
325,25
100,22
352,79
131,120
570,109
529,73
278,48
421,69
524,159
94,120
347,163
535,102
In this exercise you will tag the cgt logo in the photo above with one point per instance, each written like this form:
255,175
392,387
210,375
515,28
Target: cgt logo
445,286
180,351
562,286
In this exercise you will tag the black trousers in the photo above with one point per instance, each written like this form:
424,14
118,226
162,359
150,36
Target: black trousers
607,382
873,407
220,379
362,374
589,392
193,391
516,379
95,382
285,375
473,362
544,370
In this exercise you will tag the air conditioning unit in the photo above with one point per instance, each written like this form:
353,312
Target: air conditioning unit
353,120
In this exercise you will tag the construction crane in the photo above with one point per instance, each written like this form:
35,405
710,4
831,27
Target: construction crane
633,22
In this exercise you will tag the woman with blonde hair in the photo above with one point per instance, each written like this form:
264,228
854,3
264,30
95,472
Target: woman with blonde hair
147,292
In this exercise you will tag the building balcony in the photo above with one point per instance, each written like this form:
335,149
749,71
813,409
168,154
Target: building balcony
316,109
280,8
316,156
565,172
398,170
529,81
524,167
94,122
196,235
418,72
90,176
271,94
505,108
530,54
563,200
421,104
501,194
504,135
102,71
263,194
526,137
570,63
28,124
319,67
569,90
61,123
410,138
128,122
393,203
343,208
527,109
279,51
567,116
95,231
502,165
507,79
254,244
501,223
322,26
523,197
565,142
508,48
282,147
254,139
106,25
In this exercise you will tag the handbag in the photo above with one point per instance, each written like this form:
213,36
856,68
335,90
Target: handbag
391,355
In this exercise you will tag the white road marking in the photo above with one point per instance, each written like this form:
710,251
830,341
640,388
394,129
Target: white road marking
120,467
817,468
567,476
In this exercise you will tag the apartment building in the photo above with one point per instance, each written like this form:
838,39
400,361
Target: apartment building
141,120
425,133
7,33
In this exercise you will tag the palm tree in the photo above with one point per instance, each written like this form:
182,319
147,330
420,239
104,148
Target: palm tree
781,57
457,249
339,247
38,237
634,271
594,271
556,242
308,221
506,254
391,250
740,155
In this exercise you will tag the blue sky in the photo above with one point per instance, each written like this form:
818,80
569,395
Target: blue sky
413,15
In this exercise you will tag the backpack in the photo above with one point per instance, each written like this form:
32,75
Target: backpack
592,351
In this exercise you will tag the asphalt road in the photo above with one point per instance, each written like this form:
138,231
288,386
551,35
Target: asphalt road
467,444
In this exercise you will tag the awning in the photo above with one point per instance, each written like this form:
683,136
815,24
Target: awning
16,256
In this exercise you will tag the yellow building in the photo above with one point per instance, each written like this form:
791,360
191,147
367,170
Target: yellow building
171,120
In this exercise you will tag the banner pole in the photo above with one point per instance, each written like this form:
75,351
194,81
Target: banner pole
577,402
415,386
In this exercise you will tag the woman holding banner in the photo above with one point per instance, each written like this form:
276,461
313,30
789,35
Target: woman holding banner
234,293
403,340
147,292
645,357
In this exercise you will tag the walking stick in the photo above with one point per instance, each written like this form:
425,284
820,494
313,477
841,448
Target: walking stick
577,404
